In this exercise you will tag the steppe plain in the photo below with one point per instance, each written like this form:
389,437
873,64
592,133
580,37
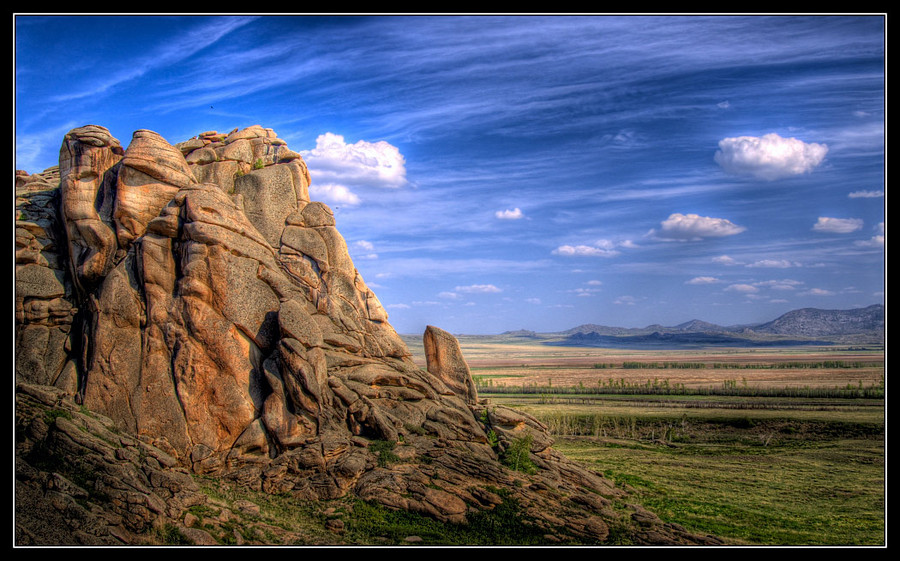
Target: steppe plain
760,446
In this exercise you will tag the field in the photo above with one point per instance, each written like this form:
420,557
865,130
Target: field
756,446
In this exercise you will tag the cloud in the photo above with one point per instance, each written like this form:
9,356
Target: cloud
774,263
478,289
333,193
742,288
837,225
534,301
818,292
600,248
584,291
360,165
703,280
769,157
626,300
866,194
725,260
685,227
514,214
584,251
784,284
876,240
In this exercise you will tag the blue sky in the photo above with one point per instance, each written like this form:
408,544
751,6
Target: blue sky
525,172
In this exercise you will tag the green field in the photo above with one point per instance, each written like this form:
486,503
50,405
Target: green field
754,462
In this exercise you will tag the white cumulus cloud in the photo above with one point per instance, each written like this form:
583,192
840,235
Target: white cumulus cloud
333,193
769,157
685,227
344,167
513,214
837,225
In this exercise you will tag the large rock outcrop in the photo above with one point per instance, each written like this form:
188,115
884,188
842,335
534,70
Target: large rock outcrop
194,296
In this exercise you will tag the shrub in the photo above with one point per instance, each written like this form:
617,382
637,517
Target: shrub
517,455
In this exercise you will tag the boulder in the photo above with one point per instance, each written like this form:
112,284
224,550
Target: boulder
445,360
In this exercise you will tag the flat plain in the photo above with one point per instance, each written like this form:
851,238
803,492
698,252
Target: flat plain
758,446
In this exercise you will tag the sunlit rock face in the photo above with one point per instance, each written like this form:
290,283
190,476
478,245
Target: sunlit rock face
196,296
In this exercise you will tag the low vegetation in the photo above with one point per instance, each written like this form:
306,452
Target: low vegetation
755,462
285,520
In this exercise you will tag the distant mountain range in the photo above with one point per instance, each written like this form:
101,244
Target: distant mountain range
798,327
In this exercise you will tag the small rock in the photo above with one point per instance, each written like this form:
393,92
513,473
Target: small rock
247,507
335,525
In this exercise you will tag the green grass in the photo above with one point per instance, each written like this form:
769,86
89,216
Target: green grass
809,491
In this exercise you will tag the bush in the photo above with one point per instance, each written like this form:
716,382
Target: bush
517,455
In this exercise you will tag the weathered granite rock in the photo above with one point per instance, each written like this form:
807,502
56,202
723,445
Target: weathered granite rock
152,172
79,481
196,299
88,167
44,294
445,361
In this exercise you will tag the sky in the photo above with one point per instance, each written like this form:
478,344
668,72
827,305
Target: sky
505,172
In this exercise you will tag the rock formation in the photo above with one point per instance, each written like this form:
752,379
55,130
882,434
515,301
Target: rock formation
194,298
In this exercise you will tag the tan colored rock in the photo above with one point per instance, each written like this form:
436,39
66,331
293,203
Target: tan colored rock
269,197
44,298
87,161
445,361
152,172
221,173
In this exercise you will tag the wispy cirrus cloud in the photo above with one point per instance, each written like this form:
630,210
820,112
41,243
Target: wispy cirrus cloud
167,53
